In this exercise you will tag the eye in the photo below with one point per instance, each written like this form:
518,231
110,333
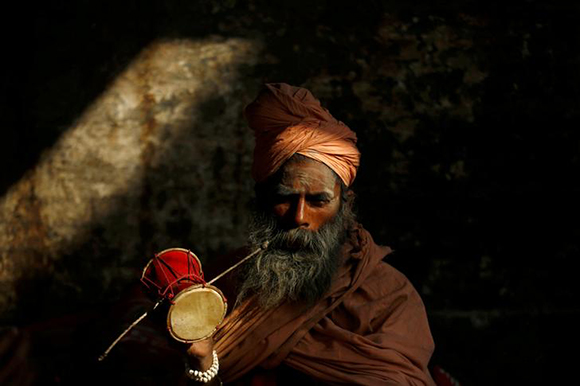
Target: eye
280,198
318,200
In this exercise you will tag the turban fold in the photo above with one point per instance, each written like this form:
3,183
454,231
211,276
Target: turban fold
289,120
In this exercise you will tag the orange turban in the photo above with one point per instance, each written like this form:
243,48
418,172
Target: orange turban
287,120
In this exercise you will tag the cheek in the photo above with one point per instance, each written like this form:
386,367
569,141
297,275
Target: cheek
324,216
280,210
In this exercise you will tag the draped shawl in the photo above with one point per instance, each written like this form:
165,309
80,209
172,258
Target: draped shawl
369,328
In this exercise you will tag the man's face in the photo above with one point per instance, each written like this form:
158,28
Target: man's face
307,196
301,216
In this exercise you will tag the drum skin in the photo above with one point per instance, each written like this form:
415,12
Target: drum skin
195,313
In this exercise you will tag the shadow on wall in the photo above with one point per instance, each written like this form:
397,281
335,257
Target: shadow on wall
162,147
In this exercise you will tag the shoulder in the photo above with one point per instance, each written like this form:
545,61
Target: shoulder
383,280
386,297
386,280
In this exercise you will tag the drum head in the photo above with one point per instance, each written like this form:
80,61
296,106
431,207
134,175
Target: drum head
195,313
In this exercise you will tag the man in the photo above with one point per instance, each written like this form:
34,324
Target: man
319,305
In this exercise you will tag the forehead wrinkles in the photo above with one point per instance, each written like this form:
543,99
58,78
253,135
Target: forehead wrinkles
308,179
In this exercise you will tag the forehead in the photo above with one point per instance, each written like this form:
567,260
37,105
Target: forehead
305,174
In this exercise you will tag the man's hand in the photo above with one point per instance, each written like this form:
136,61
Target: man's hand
199,354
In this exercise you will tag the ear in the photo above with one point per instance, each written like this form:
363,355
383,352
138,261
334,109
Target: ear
350,196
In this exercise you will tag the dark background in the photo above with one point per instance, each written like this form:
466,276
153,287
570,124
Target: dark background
467,118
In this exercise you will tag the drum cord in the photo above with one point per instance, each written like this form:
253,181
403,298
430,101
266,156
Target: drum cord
262,247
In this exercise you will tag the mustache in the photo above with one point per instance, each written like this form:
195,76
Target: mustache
296,239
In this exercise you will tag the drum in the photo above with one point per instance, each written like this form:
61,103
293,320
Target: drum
196,308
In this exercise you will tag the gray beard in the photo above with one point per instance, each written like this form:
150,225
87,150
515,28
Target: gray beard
298,265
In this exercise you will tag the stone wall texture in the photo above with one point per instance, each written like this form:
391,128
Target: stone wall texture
123,135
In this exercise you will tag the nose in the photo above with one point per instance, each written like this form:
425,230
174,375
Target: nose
301,214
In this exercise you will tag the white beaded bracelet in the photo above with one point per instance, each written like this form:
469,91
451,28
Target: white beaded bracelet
204,376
